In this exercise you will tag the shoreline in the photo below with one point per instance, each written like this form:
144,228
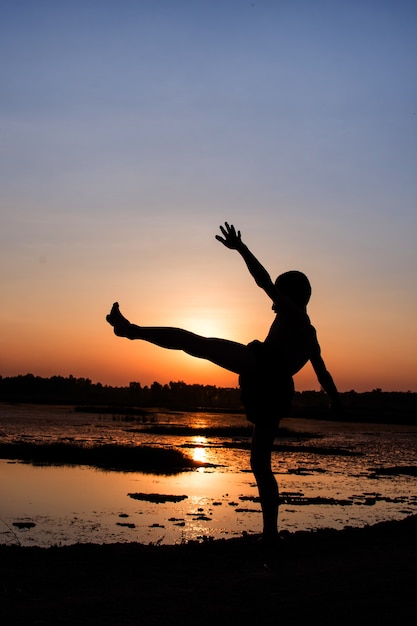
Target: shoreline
370,407
327,575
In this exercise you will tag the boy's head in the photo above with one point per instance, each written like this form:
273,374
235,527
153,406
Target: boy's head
296,286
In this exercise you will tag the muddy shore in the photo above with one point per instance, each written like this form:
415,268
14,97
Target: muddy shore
355,576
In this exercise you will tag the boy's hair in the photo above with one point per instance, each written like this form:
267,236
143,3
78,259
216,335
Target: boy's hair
296,286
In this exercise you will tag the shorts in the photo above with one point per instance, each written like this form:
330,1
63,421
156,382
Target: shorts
267,389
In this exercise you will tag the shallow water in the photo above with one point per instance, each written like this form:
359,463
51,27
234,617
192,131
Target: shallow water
321,487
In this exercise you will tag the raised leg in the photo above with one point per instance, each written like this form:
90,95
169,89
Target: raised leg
230,355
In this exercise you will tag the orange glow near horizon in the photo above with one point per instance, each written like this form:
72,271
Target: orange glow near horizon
60,328
102,357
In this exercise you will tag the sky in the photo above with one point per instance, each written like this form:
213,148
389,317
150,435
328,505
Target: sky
131,129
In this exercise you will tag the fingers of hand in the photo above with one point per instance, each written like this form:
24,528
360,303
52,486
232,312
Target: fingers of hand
228,230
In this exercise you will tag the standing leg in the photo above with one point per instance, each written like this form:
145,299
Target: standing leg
261,449
230,355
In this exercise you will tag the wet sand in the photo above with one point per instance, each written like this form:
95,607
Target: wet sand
355,576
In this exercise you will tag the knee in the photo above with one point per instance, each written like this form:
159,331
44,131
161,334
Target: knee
260,465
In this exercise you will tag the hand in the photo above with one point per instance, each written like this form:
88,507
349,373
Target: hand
230,238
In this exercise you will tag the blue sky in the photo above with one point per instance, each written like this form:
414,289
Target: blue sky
130,130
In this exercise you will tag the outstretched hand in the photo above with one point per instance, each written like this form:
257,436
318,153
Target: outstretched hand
230,238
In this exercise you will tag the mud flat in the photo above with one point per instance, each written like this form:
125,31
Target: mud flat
115,457
354,576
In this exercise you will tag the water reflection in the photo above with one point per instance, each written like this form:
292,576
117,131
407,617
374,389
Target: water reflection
80,504
199,453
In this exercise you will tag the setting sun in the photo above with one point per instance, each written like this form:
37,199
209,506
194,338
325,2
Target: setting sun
205,326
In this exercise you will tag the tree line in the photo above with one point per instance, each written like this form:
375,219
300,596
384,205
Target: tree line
71,390
375,405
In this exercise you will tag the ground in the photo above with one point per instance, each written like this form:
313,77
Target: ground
355,576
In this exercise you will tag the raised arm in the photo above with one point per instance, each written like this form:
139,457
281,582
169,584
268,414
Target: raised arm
233,240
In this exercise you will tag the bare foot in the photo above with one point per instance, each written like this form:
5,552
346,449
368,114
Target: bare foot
122,326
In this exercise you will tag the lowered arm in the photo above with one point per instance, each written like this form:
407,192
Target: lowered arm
326,381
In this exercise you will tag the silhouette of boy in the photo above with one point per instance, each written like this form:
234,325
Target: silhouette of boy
265,368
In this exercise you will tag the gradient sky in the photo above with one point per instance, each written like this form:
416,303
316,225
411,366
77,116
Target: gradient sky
129,130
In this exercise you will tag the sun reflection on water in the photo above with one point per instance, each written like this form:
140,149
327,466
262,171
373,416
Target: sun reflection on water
199,453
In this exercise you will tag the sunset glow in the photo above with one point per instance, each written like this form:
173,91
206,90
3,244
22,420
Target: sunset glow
131,132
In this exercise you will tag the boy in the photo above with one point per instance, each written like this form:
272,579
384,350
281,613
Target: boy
265,368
